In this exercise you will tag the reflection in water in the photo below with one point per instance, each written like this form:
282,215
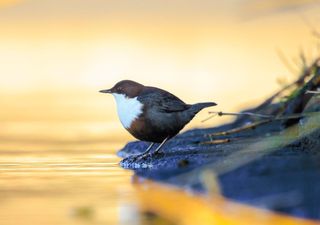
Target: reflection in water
88,187
74,186
188,209
53,175
65,188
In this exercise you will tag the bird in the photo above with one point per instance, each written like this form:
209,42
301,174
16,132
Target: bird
152,114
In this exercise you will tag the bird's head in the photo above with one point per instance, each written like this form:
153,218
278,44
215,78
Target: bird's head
127,88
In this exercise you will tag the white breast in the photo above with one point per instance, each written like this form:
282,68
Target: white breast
128,109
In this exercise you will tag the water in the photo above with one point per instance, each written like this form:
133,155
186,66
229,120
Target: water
69,174
65,187
50,178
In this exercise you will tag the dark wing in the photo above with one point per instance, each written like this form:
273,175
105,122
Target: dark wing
162,100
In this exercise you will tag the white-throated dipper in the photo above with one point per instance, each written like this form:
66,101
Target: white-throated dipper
152,114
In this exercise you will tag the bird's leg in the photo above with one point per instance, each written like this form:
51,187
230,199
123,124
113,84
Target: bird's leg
145,152
160,146
148,149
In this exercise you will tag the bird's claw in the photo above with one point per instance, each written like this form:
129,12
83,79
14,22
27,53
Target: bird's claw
146,156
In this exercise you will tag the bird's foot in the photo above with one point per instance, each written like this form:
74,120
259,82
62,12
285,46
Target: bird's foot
136,158
141,160
152,155
133,163
145,156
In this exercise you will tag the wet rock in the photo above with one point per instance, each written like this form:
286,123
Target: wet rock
273,165
286,180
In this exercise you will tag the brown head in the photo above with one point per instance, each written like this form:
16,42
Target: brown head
128,88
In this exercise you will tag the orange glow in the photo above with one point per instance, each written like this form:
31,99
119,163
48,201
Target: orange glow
190,209
59,135
4,3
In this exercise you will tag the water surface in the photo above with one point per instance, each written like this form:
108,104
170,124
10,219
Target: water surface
65,187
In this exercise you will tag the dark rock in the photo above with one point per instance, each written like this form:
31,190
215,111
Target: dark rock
270,166
286,180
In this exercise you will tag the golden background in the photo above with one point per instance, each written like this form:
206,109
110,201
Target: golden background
59,135
56,55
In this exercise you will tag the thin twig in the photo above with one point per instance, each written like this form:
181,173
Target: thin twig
239,129
312,92
208,118
258,123
220,141
216,113
292,116
242,113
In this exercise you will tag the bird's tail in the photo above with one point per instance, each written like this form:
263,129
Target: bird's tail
199,106
194,109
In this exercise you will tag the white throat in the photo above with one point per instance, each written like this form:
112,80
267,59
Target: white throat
128,109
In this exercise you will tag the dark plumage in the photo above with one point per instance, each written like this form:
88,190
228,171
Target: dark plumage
162,115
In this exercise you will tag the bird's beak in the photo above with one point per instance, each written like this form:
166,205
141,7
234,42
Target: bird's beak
106,91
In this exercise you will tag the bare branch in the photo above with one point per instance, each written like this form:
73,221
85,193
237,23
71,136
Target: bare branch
258,123
242,113
312,92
